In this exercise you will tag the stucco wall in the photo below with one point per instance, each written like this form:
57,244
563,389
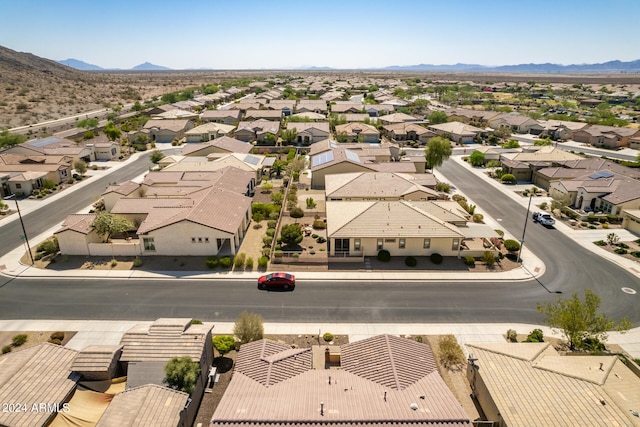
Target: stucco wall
176,240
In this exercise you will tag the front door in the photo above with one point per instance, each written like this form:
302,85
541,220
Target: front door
342,246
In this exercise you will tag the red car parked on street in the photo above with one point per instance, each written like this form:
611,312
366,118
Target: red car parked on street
277,280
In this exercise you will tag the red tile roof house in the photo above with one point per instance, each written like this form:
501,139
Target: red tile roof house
382,380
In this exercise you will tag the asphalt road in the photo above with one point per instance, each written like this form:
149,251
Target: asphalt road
40,220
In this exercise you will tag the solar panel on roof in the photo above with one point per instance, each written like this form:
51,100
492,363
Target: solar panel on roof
322,158
252,160
601,174
352,156
44,141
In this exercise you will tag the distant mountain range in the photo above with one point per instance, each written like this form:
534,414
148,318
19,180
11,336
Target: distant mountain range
84,66
605,67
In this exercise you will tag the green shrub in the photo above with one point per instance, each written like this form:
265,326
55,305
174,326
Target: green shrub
488,258
321,239
535,336
584,224
512,335
271,232
314,236
605,225
263,261
319,224
418,338
620,251
137,262
49,247
512,245
436,258
328,336
18,340
384,255
272,223
6,349
410,261
469,260
238,261
592,227
71,181
266,251
225,262
196,322
451,354
477,217
500,233
592,344
443,186
114,262
248,264
635,254
623,245
267,240
543,205
508,178
212,262
57,336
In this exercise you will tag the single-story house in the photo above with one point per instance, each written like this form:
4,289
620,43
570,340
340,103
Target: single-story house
631,220
223,145
375,110
286,107
468,116
384,380
457,131
54,146
359,132
227,117
312,106
257,130
525,384
106,150
310,116
176,115
560,130
207,132
271,115
408,132
605,136
523,163
361,186
21,174
342,107
517,123
397,118
309,133
163,131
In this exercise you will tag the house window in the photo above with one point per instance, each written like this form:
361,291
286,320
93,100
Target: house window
149,244
380,244
427,243
18,185
402,243
356,244
456,244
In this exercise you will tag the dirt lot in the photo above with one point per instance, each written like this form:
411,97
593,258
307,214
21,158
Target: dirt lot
33,338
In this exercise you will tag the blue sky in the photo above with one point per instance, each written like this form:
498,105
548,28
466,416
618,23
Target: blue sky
344,34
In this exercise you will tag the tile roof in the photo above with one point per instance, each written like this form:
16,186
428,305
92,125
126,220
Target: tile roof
269,362
398,118
357,129
80,223
527,380
410,392
95,358
456,128
38,374
149,405
380,185
172,125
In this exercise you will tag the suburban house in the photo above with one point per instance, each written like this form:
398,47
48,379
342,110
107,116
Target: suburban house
276,385
602,191
163,131
524,162
36,375
106,150
605,136
272,115
525,384
560,130
257,130
176,115
332,96
357,117
310,133
481,117
286,107
408,132
175,213
54,146
404,228
517,123
223,145
571,169
634,143
227,117
398,118
312,106
381,152
21,174
309,116
631,220
257,164
243,106
362,186
342,107
207,132
359,132
457,131
375,110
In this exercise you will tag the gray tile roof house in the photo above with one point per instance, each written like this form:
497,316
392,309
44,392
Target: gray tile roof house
384,380
35,375
530,384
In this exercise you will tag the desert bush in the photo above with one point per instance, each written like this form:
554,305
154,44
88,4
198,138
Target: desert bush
137,262
225,262
418,338
410,261
451,354
512,335
49,247
384,255
600,243
272,223
59,335
18,340
593,345
238,261
320,239
543,205
488,258
605,225
443,186
263,261
635,254
511,245
535,336
6,349
508,178
319,225
469,260
267,241
436,258
212,262
620,251
328,336
114,262
477,217
248,263
55,341
500,233
271,232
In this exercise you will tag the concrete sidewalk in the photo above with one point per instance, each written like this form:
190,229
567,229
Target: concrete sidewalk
95,332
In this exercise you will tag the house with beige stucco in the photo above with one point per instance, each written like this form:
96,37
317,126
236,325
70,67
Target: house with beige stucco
457,131
21,174
164,131
207,132
408,132
310,133
223,146
359,132
361,186
227,117
605,136
257,130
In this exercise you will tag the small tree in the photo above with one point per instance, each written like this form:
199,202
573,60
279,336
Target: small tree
476,158
248,327
289,136
80,166
438,117
111,131
291,234
438,150
108,224
512,143
579,319
277,198
181,373
266,187
224,344
156,156
277,168
612,238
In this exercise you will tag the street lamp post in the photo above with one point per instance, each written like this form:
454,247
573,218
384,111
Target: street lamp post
524,230
24,231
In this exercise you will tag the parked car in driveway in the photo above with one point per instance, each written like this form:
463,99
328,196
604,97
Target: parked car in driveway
543,218
277,281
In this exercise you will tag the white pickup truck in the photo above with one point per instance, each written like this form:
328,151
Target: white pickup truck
543,218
